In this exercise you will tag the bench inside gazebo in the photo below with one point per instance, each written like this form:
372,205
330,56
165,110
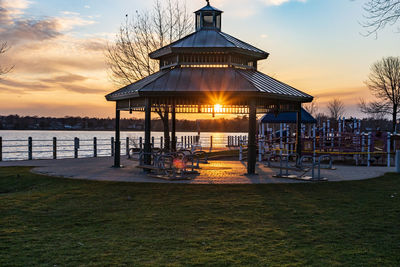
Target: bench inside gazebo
202,71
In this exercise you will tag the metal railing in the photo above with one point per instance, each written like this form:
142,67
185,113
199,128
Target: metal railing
59,148
35,149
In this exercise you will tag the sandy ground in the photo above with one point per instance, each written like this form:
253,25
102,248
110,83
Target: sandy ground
217,172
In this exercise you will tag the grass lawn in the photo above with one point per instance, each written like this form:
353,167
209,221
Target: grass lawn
49,221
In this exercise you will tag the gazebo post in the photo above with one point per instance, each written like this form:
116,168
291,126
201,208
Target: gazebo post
117,146
298,133
147,132
252,146
173,128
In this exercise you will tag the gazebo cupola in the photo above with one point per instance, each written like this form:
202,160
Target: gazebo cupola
209,47
208,18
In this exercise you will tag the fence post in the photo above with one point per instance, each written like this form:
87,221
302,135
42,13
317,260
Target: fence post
280,139
30,149
127,146
152,141
369,150
76,147
54,147
211,143
141,143
314,134
112,147
388,149
1,148
95,147
161,142
185,141
240,151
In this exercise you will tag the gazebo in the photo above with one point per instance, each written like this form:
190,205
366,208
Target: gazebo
207,72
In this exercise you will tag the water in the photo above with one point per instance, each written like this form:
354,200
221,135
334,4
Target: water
15,143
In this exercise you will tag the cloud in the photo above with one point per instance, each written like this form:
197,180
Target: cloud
82,89
65,78
16,29
20,87
52,63
67,82
69,22
15,4
31,30
246,8
279,2
10,9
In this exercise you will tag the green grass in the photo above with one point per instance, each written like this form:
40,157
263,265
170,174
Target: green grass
49,221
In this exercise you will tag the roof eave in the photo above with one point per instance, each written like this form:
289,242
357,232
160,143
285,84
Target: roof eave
110,97
245,93
179,50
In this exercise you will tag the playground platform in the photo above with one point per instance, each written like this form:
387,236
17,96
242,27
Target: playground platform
217,172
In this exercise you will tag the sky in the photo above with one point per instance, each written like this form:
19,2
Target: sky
57,50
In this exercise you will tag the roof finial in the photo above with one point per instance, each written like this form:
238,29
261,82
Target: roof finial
208,2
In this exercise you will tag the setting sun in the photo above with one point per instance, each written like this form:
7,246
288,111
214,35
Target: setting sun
217,108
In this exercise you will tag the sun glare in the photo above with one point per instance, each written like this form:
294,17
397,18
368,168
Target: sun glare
217,108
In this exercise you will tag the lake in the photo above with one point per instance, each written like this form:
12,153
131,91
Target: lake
15,143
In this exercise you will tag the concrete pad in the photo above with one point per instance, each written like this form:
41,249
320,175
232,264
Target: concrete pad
217,172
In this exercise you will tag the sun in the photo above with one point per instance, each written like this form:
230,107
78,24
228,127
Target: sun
217,108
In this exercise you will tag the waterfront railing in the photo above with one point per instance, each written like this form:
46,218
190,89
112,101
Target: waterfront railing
61,148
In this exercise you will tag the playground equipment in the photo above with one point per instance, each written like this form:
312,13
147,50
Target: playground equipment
301,168
343,140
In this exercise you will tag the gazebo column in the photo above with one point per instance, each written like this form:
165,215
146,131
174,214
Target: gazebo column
298,133
173,128
252,146
147,132
117,146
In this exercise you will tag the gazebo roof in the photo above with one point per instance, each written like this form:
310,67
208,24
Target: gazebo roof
189,81
288,117
207,39
206,68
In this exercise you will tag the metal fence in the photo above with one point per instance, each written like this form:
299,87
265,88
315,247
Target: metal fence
35,149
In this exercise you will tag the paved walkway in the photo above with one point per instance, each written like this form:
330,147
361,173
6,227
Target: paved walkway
217,172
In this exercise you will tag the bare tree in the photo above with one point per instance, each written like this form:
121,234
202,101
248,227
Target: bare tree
4,48
384,83
336,109
380,13
377,110
128,58
311,108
